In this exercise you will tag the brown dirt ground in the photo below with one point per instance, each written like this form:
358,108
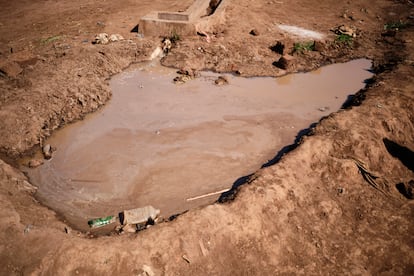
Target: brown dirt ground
313,212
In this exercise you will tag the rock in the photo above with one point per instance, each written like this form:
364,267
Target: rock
10,69
221,80
320,46
116,37
101,38
345,30
68,230
286,62
47,151
34,163
254,32
182,79
27,228
188,72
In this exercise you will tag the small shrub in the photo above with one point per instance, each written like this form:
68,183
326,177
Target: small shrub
174,37
50,39
300,47
344,39
395,25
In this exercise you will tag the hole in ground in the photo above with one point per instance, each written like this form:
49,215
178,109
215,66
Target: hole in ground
160,144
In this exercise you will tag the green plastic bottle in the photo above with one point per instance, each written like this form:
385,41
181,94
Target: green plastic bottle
99,222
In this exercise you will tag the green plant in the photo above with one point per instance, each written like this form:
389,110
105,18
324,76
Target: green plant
50,39
300,47
395,25
344,39
174,37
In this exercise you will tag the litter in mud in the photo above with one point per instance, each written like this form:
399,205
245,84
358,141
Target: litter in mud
99,222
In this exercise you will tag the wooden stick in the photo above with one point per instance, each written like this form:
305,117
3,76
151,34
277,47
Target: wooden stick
206,195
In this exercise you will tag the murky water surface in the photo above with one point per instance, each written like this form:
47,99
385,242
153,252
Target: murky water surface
157,143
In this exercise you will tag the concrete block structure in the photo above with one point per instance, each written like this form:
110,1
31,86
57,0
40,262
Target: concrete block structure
198,17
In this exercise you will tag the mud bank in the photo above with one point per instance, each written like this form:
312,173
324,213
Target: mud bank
157,143
312,213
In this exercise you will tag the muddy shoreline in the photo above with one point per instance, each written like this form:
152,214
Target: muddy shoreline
330,206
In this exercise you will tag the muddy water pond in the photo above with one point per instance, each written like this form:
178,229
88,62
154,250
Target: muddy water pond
157,143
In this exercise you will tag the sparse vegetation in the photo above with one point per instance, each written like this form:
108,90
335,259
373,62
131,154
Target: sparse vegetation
174,37
50,39
395,25
344,39
301,47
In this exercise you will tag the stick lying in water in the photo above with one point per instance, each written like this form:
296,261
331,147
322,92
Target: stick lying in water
206,195
83,180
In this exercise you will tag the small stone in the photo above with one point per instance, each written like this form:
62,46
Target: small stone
323,109
34,163
27,228
320,46
181,79
345,30
68,230
286,62
188,72
10,69
254,32
221,80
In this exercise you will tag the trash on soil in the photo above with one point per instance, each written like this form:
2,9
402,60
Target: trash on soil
115,37
99,222
47,151
101,38
139,215
156,53
166,45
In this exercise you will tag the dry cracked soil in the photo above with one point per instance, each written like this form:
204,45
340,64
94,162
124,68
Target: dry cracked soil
339,202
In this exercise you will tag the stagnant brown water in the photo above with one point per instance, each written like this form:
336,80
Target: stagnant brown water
159,144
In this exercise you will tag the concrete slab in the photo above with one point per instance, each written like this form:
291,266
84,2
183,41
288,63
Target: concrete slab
196,17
